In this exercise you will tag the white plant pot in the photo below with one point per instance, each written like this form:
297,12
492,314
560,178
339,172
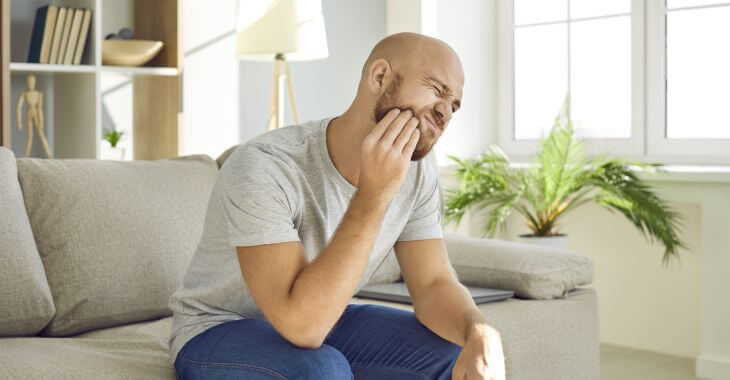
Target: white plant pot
115,153
560,241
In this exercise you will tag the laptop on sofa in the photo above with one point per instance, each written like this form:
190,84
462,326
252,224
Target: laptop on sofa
398,292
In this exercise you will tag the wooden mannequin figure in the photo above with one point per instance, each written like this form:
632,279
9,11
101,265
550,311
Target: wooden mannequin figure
33,116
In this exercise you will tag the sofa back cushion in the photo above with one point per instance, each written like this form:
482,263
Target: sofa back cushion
26,305
531,271
115,237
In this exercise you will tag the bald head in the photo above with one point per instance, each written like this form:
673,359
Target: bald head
404,49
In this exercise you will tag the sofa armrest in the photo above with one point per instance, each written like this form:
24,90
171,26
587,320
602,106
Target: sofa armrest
531,271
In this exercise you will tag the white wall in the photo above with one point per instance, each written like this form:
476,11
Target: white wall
210,77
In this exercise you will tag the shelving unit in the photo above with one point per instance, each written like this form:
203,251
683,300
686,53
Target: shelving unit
74,106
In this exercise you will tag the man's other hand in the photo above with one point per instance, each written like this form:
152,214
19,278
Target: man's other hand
481,357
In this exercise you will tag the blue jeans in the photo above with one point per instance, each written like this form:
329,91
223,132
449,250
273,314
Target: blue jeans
367,342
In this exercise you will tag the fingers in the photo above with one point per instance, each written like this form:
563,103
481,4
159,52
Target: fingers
458,374
411,145
382,126
395,127
405,134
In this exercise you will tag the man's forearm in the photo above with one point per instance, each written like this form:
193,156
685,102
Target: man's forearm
447,309
323,289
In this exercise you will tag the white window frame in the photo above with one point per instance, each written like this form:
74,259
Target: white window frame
673,150
648,140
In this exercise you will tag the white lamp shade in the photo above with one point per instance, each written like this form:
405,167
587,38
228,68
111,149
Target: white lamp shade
294,28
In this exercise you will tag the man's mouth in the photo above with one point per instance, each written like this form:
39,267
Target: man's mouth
430,124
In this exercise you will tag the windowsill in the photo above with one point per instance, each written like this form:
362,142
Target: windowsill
689,173
673,173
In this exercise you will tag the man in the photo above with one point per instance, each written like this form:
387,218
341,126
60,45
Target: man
311,211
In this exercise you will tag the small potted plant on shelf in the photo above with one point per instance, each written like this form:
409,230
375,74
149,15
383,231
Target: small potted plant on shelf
112,152
560,178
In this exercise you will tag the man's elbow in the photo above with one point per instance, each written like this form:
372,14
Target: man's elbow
299,330
311,343
303,336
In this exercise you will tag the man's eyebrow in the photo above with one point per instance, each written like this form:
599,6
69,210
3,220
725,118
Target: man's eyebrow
440,83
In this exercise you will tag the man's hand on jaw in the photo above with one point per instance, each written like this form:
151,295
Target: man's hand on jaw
386,154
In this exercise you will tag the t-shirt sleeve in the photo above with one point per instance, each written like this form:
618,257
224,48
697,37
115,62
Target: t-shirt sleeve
258,199
425,220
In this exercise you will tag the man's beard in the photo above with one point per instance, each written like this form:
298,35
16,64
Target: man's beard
389,100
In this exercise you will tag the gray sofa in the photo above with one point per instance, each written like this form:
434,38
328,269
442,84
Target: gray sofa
90,252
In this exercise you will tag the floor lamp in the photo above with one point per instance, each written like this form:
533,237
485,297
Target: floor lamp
288,30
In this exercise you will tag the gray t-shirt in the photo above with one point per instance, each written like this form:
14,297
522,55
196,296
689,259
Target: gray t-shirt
282,186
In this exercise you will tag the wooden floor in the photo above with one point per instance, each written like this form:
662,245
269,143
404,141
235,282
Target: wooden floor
629,364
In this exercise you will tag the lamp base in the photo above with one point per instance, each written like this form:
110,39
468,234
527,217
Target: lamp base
276,109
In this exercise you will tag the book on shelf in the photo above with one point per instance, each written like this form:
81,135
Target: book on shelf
64,35
59,35
56,44
81,45
73,36
42,34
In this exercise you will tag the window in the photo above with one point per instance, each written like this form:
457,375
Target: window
687,80
581,48
698,70
647,79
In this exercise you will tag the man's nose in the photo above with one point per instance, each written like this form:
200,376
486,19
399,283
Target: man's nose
444,112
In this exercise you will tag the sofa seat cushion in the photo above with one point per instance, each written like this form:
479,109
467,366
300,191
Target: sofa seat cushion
136,351
543,339
26,305
115,237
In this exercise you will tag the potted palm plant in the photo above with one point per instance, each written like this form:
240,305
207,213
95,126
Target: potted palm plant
112,152
560,178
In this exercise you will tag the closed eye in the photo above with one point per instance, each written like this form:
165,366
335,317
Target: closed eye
438,91
454,107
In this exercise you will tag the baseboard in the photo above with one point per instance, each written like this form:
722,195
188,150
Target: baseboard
712,368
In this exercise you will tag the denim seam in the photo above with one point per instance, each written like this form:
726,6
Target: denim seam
237,365
389,367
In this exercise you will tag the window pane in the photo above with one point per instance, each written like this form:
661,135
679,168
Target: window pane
532,11
698,73
693,3
600,80
592,8
541,80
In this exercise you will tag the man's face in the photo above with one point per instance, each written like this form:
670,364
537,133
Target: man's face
432,100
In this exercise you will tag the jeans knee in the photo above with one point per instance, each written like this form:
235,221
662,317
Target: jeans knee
326,362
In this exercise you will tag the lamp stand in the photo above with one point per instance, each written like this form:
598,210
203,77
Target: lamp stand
276,108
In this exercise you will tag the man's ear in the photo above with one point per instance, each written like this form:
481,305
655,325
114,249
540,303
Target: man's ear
379,75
